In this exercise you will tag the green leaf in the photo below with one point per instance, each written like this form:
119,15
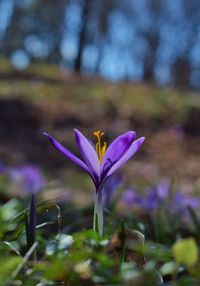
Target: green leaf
7,266
185,251
169,268
55,270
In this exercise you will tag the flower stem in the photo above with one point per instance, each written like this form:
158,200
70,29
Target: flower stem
98,213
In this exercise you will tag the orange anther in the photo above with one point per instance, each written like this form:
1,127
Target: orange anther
100,150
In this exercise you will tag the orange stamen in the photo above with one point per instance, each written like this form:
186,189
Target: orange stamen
100,149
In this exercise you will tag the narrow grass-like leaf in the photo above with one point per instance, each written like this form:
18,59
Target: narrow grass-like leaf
12,247
32,226
122,235
28,239
24,260
7,265
195,219
32,220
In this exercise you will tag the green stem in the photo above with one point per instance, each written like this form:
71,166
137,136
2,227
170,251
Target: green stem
98,213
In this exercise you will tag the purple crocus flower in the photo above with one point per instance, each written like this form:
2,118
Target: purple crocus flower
131,197
181,202
33,178
110,186
152,201
156,196
100,163
163,189
29,176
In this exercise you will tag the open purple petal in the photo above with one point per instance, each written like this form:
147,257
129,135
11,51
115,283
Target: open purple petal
88,152
67,153
117,149
130,152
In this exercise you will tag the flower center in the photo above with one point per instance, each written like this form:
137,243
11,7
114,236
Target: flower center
99,148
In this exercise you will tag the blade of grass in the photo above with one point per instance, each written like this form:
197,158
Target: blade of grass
24,261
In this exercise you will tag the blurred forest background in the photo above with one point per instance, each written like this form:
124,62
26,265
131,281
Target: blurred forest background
95,64
150,40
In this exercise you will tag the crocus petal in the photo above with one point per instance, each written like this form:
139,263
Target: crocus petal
67,153
117,149
130,152
88,152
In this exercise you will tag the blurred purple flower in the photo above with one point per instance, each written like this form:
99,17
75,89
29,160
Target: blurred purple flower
152,201
159,198
110,187
131,197
162,189
33,178
148,203
156,196
181,202
29,177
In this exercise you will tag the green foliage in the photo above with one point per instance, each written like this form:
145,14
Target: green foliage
70,253
7,266
169,268
83,258
185,252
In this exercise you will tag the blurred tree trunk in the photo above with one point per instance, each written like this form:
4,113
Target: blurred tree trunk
150,57
182,72
82,35
44,23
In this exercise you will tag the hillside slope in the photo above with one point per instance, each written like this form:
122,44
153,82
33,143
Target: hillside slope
44,98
